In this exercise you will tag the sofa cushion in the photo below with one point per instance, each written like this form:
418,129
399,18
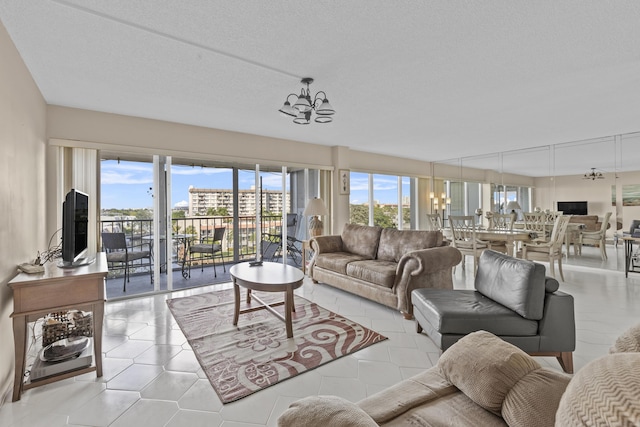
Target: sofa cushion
395,243
324,411
603,393
485,368
629,341
361,240
533,401
336,261
515,283
381,273
461,312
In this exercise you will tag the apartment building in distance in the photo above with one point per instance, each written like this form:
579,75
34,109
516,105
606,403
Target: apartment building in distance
202,199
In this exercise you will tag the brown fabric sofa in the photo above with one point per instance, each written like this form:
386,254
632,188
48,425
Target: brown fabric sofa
485,381
383,265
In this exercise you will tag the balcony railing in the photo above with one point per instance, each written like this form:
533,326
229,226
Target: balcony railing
196,229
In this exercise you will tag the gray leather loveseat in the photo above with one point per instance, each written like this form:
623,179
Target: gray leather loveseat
513,300
383,265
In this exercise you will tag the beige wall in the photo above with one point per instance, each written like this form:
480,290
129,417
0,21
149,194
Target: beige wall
22,192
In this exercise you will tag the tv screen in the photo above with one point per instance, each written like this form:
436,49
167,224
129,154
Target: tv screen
573,208
75,223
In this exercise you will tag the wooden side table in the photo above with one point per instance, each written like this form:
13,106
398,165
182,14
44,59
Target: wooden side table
57,289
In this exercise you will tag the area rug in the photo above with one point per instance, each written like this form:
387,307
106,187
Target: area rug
240,360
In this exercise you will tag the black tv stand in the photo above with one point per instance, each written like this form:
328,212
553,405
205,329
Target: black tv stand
77,263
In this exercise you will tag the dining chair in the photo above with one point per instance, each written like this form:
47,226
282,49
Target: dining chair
536,222
596,237
464,238
434,222
122,256
551,250
501,222
208,248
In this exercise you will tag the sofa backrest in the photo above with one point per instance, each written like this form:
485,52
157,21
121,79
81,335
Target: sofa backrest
395,243
515,283
361,239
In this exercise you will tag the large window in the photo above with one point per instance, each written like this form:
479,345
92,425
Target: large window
382,200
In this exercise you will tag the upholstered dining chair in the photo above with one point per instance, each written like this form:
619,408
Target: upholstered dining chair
464,238
122,256
208,248
550,251
596,237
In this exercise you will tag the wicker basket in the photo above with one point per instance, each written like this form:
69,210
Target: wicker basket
64,324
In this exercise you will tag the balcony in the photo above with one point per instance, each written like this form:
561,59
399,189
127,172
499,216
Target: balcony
187,230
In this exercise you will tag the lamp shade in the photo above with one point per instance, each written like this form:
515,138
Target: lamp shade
315,207
513,206
288,110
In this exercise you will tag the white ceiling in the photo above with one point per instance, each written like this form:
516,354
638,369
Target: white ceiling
431,80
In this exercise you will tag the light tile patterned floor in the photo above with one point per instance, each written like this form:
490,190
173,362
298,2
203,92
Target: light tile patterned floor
152,378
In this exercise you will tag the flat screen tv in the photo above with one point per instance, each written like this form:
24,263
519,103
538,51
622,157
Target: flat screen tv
573,208
75,224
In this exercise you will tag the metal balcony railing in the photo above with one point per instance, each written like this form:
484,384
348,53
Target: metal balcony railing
196,229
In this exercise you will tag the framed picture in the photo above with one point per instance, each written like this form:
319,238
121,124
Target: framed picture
631,195
344,182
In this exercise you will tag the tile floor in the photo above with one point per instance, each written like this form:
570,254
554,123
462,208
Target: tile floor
151,377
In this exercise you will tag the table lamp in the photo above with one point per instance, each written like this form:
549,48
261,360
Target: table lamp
513,206
315,209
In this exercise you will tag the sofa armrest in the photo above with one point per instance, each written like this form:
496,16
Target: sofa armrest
424,268
557,328
325,244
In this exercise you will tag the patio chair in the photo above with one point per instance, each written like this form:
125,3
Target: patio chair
208,248
293,245
123,256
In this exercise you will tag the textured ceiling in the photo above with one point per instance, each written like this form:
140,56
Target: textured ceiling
432,80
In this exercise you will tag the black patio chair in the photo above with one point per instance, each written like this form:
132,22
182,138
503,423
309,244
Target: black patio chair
123,256
208,248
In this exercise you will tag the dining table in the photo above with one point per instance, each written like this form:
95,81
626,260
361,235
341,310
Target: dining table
510,237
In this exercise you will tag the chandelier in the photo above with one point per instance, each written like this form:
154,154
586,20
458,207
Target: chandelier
593,175
303,106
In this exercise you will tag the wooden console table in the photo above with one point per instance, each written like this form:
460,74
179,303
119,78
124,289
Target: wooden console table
57,289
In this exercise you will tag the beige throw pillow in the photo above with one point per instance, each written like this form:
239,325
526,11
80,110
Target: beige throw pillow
629,341
534,400
485,368
605,392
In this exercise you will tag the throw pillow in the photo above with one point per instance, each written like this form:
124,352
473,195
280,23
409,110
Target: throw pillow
629,341
604,392
534,400
324,411
485,368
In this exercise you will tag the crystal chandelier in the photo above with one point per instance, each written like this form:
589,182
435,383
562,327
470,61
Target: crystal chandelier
593,175
303,106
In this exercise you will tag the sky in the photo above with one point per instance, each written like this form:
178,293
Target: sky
128,185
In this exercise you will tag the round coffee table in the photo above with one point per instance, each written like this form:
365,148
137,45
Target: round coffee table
268,277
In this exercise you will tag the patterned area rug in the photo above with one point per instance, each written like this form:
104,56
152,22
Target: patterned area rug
257,354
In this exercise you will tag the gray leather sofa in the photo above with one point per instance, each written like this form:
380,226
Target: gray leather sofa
383,265
513,300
